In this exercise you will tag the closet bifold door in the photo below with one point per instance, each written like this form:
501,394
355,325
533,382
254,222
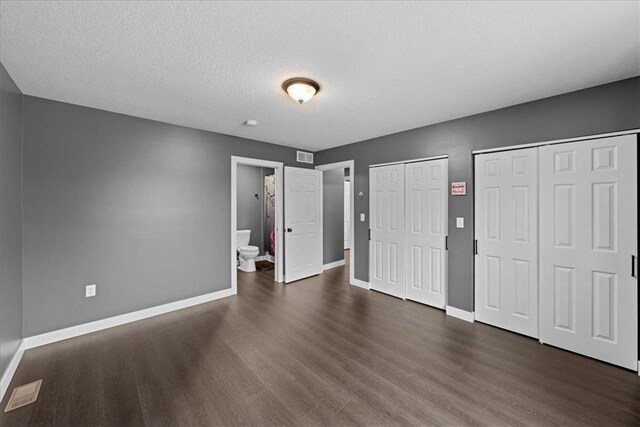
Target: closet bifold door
506,229
426,230
588,243
387,231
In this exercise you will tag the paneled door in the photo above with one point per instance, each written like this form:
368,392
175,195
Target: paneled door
303,223
387,232
588,246
426,230
506,218
347,214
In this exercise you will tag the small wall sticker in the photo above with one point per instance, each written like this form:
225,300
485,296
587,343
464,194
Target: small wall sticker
459,188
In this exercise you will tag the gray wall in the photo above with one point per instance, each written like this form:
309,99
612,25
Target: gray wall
251,209
10,218
333,215
606,108
141,208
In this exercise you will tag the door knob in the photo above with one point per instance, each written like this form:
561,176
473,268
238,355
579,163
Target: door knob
289,230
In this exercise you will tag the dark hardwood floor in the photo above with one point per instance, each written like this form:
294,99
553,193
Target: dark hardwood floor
317,352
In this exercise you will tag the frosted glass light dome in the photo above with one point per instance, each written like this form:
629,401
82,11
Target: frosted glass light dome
301,89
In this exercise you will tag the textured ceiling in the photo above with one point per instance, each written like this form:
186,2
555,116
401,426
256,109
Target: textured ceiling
383,67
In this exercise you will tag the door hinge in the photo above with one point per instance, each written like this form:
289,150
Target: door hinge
475,247
634,266
446,243
369,234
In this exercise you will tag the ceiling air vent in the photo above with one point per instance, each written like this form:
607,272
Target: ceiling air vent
304,157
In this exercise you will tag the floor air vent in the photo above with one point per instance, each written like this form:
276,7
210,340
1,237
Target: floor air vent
23,395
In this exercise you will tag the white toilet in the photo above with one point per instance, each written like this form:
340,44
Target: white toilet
247,253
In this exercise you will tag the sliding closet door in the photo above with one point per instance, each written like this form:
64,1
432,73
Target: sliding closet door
426,220
588,242
506,264
387,231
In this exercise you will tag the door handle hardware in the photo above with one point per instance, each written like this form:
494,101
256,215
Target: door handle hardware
475,247
288,230
634,266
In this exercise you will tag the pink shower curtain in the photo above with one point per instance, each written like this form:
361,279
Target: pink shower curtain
269,214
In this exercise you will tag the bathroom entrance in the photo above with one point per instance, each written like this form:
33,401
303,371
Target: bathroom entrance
256,220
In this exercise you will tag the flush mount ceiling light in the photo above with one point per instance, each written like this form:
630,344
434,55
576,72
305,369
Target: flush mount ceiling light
301,89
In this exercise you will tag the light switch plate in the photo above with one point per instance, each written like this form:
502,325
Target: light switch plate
460,222
361,217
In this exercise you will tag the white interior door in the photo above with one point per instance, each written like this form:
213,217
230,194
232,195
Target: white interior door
303,223
387,232
347,214
589,219
426,230
506,228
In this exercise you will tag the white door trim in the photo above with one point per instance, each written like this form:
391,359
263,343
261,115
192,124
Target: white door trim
467,316
348,164
423,159
11,368
334,264
279,168
361,284
556,141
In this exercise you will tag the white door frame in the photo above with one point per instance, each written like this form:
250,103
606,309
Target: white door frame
279,168
557,141
347,164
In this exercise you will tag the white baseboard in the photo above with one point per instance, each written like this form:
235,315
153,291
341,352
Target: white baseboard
467,316
98,325
266,257
360,283
333,265
11,369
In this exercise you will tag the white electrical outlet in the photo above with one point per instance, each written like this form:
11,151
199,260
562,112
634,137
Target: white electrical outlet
361,217
90,291
460,222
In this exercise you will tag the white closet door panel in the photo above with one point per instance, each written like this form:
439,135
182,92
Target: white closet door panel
386,221
588,204
303,223
506,266
426,219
